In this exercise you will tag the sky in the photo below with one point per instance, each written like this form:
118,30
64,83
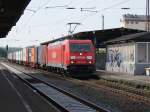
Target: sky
45,20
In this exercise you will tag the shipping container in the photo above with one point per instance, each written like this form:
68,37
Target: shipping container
32,56
42,55
45,55
24,53
21,56
10,56
27,62
17,56
14,56
39,49
29,54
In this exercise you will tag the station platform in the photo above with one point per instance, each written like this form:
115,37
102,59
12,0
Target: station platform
137,79
9,100
15,96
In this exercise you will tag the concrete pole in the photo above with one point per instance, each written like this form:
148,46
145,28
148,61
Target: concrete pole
147,16
102,22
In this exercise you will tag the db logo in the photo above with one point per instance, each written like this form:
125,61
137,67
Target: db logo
54,55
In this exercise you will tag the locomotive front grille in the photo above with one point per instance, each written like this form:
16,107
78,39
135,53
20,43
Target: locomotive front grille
80,68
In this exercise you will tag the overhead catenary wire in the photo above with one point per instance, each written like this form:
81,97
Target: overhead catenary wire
37,10
104,9
115,5
98,11
79,20
86,17
59,21
33,14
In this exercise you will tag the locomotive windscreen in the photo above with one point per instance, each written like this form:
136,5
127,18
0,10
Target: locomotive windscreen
74,47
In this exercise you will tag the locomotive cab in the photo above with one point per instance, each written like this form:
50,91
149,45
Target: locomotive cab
81,56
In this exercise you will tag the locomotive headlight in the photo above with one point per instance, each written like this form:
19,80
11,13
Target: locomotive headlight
89,57
90,62
72,57
72,62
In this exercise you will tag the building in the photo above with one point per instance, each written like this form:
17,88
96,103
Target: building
134,21
129,54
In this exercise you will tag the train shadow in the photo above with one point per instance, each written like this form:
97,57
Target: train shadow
85,76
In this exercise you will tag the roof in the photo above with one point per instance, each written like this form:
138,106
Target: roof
131,17
10,12
101,36
137,37
107,34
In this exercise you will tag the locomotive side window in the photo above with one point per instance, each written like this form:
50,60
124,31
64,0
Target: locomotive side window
80,47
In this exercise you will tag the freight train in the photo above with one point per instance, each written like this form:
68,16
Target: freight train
67,56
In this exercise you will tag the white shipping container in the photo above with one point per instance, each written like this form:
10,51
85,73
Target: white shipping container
14,55
24,55
17,56
21,52
9,56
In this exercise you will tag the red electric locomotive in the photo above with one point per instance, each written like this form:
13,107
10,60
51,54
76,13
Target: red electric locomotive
71,56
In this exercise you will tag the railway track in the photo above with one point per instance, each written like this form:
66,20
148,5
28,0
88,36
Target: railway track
136,95
63,100
121,92
129,92
133,94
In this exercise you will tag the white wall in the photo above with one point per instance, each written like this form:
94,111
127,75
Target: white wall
121,58
134,25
